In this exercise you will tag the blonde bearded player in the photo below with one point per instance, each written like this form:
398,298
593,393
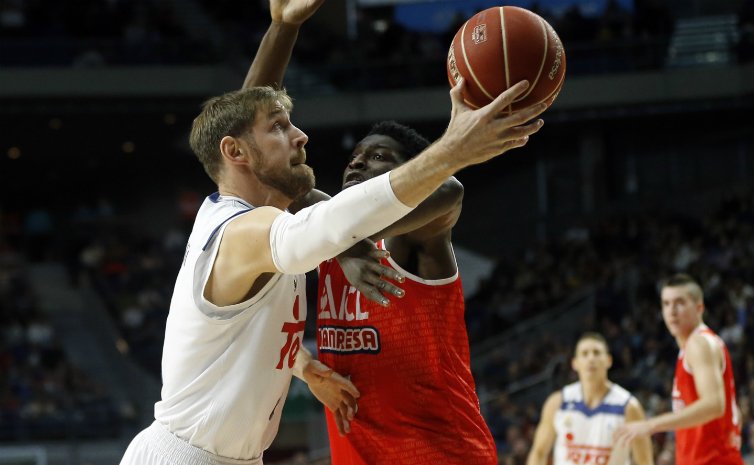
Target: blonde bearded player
580,419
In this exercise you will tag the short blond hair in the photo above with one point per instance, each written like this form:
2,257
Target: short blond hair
684,280
230,114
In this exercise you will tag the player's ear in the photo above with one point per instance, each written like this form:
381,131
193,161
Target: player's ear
609,361
231,149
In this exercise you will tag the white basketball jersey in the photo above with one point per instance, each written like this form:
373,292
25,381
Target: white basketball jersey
226,370
585,435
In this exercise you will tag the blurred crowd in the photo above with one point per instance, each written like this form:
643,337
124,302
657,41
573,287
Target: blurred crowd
87,33
42,394
337,56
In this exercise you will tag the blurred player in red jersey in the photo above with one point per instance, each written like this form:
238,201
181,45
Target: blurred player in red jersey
410,360
705,417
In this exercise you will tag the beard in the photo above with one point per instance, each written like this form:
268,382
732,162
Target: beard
292,181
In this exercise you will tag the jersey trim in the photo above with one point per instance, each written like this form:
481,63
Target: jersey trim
602,408
711,338
216,197
419,279
231,313
214,231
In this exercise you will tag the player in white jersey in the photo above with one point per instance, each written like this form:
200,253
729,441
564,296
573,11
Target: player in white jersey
580,419
233,336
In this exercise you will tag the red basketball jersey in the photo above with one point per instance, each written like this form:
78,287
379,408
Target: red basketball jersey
410,361
717,442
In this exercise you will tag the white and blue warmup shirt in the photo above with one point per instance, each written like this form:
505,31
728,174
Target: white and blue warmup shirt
585,435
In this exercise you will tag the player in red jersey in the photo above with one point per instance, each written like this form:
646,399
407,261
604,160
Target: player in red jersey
705,417
410,360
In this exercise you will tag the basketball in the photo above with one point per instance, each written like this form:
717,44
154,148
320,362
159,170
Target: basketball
500,46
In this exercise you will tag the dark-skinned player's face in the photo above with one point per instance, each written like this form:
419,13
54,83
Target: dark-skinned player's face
374,155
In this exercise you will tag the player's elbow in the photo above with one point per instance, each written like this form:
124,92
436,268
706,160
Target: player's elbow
719,408
534,459
454,190
453,199
536,455
716,407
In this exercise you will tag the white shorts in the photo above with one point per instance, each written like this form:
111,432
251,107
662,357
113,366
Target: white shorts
156,445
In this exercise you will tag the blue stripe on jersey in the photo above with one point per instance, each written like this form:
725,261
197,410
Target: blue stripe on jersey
214,197
602,408
214,231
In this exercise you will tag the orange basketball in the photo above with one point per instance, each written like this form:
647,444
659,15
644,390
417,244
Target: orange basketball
501,46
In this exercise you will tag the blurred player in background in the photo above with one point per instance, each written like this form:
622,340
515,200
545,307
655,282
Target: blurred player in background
705,417
233,336
411,360
580,419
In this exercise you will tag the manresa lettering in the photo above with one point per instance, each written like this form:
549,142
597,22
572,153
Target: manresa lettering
345,340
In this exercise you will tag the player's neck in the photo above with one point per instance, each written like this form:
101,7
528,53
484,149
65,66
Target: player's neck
594,391
254,193
681,339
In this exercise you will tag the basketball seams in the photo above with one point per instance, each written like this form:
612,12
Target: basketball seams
452,59
504,43
554,94
556,91
546,42
468,65
505,48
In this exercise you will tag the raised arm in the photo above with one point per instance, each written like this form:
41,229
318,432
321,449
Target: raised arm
274,53
544,436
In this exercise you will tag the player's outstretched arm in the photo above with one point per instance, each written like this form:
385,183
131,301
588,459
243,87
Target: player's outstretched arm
334,391
472,137
705,359
544,436
274,53
361,264
439,211
436,215
641,448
